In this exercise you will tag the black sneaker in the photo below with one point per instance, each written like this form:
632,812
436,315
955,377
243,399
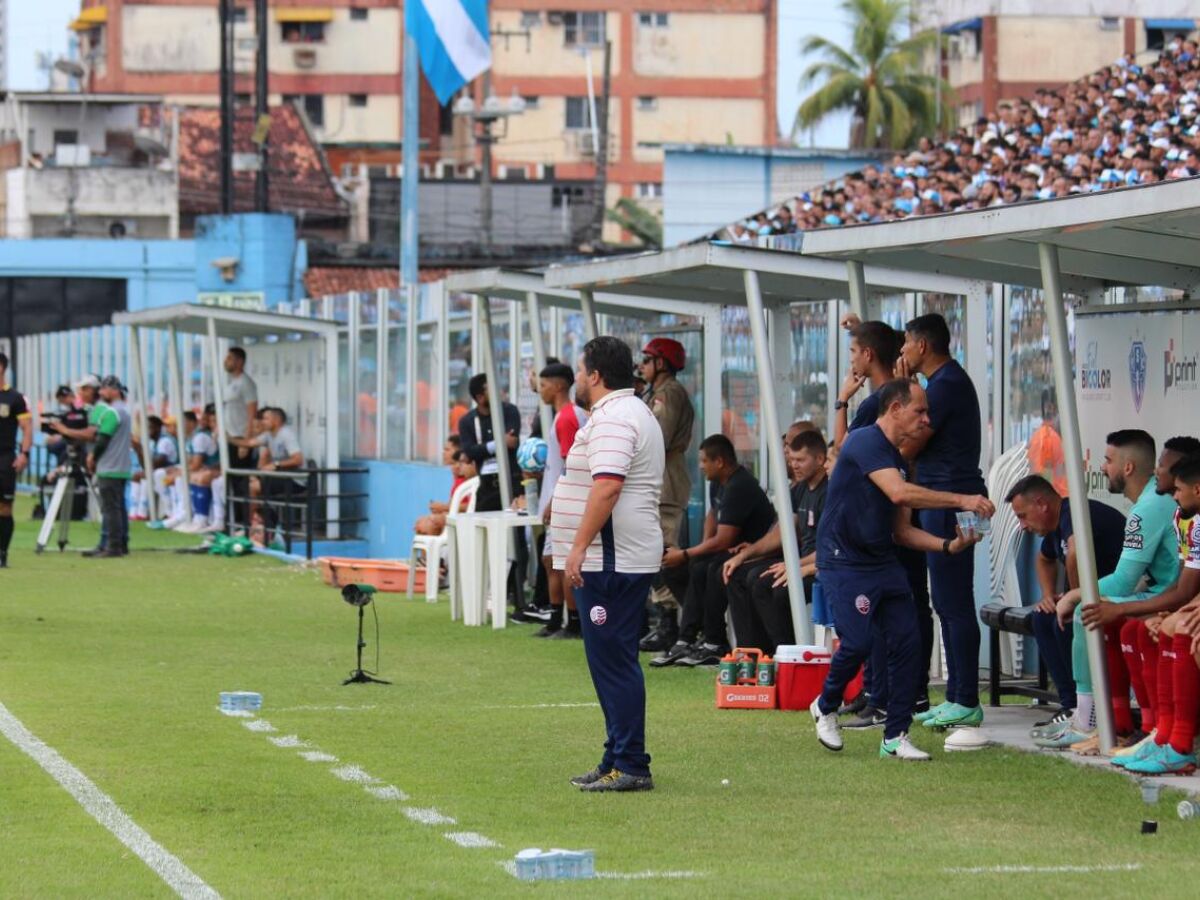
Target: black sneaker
678,651
550,628
95,551
529,615
922,705
1061,716
3,559
616,780
663,636
870,717
590,778
854,708
703,655
570,631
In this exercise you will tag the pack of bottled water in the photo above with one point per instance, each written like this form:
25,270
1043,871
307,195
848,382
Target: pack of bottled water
240,701
536,864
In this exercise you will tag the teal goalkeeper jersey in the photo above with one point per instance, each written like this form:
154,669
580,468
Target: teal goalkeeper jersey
1151,547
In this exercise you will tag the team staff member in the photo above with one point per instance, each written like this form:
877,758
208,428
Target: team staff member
874,348
949,462
866,515
607,538
240,408
662,361
14,414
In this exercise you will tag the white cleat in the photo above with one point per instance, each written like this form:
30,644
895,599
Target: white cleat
829,730
902,748
966,739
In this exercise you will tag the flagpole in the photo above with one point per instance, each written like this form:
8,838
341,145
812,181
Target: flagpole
409,184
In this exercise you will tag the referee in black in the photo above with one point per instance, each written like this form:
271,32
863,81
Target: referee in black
14,414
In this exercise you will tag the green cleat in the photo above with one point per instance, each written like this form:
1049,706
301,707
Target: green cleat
928,714
955,715
1163,760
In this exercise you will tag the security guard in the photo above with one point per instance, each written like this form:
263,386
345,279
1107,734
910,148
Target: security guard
662,360
14,414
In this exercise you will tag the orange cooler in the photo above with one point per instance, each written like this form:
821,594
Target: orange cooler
800,671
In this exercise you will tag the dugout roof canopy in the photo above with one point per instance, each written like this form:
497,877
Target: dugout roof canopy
194,318
1144,235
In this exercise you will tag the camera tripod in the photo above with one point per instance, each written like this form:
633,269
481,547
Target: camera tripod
62,504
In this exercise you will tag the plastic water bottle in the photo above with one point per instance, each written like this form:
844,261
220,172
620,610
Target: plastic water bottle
535,864
531,495
1188,809
236,701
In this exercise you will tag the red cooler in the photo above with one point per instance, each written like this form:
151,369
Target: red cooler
800,671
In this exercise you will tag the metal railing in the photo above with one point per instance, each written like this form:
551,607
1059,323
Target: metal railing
307,503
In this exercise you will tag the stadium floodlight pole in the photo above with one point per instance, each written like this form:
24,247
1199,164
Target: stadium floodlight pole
493,389
177,409
534,309
591,327
857,281
778,465
1060,355
143,397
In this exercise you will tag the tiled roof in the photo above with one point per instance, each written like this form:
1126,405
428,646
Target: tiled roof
300,180
323,281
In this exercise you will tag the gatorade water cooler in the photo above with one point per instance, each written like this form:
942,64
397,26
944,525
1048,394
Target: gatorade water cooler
800,671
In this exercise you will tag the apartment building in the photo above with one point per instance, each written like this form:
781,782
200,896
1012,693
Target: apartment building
1004,49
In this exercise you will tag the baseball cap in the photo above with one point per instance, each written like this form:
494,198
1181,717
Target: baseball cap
92,381
63,391
112,381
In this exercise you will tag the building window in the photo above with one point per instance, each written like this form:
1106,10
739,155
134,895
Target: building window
302,32
358,100
358,14
532,101
646,104
653,20
312,104
65,136
583,29
578,114
530,19
649,190
566,195
242,99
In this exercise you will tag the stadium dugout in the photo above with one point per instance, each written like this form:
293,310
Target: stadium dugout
217,324
1139,236
765,281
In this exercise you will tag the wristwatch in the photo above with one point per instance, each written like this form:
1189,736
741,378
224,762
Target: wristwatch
840,404
946,546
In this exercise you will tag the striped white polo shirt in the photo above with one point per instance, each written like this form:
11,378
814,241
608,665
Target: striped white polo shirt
622,440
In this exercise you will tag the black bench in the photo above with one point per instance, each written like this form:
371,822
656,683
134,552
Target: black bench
1014,620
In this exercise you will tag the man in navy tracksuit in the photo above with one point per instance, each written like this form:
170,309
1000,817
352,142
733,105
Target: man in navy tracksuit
866,515
949,462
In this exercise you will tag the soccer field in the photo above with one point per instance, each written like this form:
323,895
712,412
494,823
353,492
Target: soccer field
117,664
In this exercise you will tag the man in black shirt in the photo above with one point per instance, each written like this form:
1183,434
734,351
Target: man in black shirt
14,414
739,512
759,603
479,444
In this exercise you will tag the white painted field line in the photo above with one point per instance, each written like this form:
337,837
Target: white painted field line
592,705
471,840
386,792
182,880
510,866
354,774
287,741
318,756
261,725
1043,870
428,816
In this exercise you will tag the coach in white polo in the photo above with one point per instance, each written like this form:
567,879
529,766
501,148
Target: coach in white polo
606,535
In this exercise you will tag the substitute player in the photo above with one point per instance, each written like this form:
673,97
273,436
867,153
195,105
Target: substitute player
14,414
867,512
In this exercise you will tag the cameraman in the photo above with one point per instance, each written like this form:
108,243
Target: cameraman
56,444
111,433
13,414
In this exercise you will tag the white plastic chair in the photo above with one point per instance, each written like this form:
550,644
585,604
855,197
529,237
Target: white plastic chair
434,546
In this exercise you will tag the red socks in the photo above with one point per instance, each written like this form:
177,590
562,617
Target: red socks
1118,676
1187,695
1131,649
1166,689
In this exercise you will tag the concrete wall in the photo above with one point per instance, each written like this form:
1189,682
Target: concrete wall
684,47
1041,48
399,494
700,120
43,119
145,199
267,250
157,273
547,55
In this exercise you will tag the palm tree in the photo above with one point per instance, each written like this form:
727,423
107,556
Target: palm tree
879,78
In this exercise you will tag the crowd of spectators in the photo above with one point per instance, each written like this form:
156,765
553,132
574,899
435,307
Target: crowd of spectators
1127,124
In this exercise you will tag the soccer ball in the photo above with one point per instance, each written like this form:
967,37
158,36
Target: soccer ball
531,455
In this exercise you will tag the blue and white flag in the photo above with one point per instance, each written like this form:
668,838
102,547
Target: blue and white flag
452,40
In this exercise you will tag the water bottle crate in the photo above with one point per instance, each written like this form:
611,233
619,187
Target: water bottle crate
233,701
549,865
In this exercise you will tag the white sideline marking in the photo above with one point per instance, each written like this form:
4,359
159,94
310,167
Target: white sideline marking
386,792
548,706
354,774
318,756
510,866
428,816
236,713
470,839
1042,870
259,725
182,880
288,740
